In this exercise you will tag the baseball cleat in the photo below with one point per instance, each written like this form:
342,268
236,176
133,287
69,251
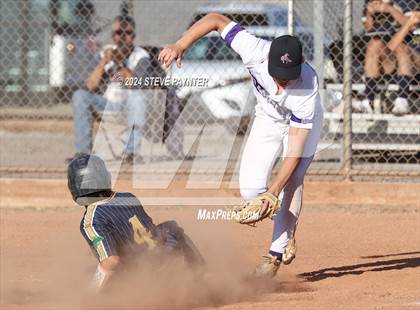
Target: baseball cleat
290,251
268,267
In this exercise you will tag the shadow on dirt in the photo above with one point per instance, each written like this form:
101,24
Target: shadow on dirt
358,269
389,255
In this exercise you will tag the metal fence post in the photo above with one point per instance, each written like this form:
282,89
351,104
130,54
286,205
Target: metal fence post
24,48
290,17
130,8
347,90
319,43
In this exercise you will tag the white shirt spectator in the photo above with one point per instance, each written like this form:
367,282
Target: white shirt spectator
138,62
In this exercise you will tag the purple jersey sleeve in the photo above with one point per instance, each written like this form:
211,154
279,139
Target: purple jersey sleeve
253,50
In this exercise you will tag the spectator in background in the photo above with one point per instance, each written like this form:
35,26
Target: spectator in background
381,21
103,89
409,32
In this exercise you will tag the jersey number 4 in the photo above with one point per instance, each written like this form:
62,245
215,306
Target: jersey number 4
141,235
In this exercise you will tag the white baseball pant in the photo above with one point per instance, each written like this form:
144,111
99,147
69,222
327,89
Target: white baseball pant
267,139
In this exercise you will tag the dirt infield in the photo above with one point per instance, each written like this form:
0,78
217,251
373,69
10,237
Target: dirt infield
53,193
353,253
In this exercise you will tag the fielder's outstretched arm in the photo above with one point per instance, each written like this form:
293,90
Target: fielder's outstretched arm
210,22
296,144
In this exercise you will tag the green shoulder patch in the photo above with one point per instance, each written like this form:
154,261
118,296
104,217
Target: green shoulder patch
96,241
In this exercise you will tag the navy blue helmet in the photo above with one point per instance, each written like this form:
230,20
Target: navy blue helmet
87,175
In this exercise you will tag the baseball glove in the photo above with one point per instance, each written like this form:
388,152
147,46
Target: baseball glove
253,211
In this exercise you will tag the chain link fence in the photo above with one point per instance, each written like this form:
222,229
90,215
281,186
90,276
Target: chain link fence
52,105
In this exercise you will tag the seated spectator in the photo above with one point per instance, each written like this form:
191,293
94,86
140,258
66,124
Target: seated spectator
409,32
103,89
381,21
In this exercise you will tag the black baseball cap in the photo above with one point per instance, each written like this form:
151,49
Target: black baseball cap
285,58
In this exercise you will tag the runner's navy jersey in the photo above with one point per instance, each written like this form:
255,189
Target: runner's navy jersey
117,226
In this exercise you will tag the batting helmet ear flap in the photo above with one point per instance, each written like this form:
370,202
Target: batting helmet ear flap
86,175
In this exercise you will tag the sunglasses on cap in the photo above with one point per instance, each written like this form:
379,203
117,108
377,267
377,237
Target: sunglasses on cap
121,32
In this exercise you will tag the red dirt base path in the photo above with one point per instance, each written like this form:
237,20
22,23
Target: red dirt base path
350,256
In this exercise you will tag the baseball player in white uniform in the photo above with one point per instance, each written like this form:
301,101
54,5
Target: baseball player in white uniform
288,119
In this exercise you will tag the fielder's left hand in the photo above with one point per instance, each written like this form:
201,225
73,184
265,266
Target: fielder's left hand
170,53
